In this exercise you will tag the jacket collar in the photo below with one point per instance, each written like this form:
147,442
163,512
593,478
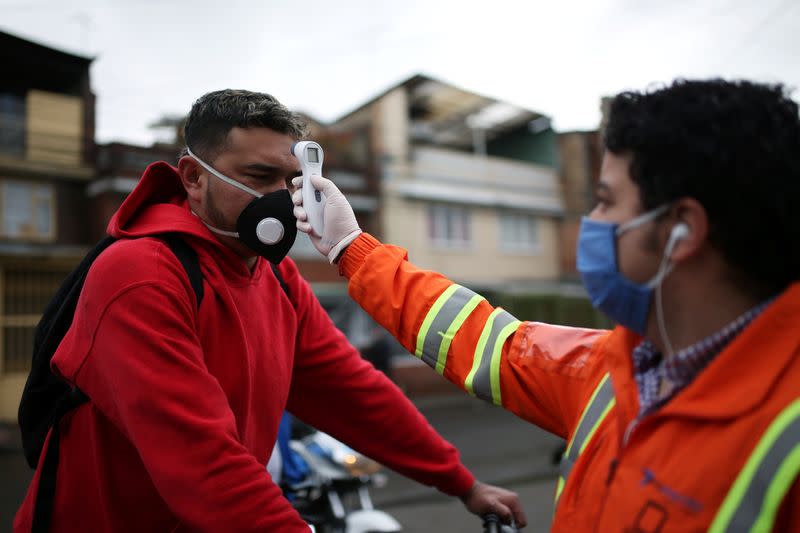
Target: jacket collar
736,381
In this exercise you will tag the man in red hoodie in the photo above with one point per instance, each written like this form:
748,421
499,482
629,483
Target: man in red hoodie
186,401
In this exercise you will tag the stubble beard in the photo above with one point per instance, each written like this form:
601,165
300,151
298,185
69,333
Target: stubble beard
217,219
214,214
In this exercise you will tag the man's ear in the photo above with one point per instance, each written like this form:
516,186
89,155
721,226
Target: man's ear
693,216
191,177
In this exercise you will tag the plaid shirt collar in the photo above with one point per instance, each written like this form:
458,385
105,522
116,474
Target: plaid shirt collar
677,372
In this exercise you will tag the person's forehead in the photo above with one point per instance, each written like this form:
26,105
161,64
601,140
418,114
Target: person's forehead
615,173
261,144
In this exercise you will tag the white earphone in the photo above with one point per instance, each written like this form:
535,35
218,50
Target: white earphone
679,232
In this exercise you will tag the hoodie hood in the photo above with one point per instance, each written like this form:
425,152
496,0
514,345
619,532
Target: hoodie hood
157,205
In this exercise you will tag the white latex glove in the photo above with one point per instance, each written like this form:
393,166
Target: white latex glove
339,222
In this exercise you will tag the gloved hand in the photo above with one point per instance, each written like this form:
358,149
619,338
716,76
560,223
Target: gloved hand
340,227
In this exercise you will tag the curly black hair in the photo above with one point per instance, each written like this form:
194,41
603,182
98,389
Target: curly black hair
734,146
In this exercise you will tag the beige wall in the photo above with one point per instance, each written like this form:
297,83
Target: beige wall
392,118
487,187
405,224
429,170
54,128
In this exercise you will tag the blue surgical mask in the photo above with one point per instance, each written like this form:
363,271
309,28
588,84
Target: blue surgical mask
623,301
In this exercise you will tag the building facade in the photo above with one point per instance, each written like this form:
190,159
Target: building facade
469,184
479,189
46,162
580,156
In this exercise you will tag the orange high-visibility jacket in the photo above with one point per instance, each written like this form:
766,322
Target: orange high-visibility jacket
722,455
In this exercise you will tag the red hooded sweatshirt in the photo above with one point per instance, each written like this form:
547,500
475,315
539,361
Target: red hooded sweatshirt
185,404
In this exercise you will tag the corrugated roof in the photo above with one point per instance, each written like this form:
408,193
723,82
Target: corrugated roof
444,114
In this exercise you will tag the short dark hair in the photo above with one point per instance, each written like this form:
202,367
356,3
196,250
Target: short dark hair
734,146
214,114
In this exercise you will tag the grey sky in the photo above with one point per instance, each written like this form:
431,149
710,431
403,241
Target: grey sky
155,57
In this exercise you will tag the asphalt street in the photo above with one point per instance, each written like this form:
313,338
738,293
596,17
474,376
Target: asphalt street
497,447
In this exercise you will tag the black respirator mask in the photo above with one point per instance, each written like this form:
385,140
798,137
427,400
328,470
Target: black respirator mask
267,225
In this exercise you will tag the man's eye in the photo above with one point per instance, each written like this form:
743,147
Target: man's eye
600,204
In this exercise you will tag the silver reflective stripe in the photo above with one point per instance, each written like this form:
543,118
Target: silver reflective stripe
595,411
591,417
445,325
482,379
772,469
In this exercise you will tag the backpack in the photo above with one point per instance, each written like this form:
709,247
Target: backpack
46,398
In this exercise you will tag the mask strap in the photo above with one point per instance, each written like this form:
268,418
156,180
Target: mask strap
223,177
217,230
221,231
642,219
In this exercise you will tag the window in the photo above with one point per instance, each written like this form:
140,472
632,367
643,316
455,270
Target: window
449,226
12,124
518,233
27,210
25,292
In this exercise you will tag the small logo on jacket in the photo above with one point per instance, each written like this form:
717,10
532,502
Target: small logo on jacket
651,519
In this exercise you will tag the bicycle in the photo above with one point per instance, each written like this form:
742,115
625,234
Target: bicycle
493,524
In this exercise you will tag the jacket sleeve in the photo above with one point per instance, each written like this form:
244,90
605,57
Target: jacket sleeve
143,368
337,391
541,372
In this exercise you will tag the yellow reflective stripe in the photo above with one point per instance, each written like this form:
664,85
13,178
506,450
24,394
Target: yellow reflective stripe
755,497
561,480
485,380
429,318
595,411
611,404
441,324
462,315
780,485
496,356
586,410
476,359
559,488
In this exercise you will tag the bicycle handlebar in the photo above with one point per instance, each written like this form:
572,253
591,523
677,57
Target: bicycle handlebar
491,523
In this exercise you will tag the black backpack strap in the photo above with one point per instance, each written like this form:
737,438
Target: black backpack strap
282,281
43,390
50,390
191,264
45,494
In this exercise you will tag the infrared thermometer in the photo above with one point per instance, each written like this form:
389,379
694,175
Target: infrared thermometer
310,156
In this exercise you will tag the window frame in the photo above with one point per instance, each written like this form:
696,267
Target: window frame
14,121
444,238
36,188
518,246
